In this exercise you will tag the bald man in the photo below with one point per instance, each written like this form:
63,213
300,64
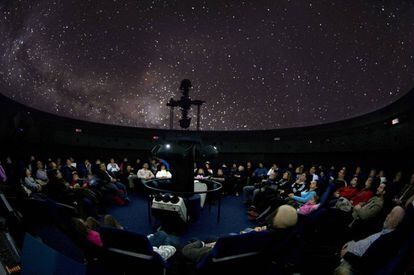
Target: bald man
356,250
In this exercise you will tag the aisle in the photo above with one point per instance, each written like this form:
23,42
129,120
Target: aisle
233,218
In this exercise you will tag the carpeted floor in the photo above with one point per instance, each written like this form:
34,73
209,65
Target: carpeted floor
233,218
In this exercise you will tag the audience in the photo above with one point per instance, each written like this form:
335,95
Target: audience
267,193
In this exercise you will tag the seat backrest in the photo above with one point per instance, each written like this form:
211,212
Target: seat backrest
125,250
125,240
239,253
324,199
38,258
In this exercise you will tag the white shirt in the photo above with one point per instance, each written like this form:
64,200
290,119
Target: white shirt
163,174
360,247
145,173
112,167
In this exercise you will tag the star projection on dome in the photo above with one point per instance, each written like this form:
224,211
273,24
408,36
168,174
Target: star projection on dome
257,64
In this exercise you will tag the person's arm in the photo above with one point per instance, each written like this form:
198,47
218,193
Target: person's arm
32,185
165,251
305,198
368,211
140,174
168,175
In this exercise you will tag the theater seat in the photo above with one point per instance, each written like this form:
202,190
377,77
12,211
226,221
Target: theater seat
240,254
127,252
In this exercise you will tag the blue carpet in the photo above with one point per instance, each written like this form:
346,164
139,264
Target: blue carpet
233,218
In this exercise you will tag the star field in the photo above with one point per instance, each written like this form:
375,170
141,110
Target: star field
257,64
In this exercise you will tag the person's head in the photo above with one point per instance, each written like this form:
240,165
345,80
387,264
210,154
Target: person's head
80,226
249,165
102,167
302,177
287,175
286,216
54,174
87,162
39,165
138,161
241,168
315,199
312,170
234,166
341,174
354,182
412,179
68,162
200,171
52,165
394,218
112,160
75,176
207,164
260,165
368,183
32,158
28,173
313,185
398,176
372,173
274,166
154,161
125,160
111,222
145,166
129,168
358,170
220,172
162,167
381,190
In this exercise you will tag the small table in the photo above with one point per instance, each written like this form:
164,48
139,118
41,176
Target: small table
213,187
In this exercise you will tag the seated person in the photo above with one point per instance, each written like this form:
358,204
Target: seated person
297,187
145,174
108,184
251,191
310,206
284,219
163,173
68,170
30,183
348,191
113,167
406,192
200,174
260,173
372,208
360,198
365,194
354,250
41,173
305,196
